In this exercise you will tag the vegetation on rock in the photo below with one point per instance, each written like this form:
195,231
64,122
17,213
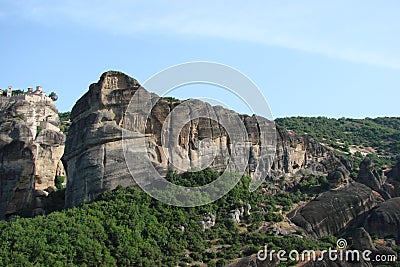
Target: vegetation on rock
65,121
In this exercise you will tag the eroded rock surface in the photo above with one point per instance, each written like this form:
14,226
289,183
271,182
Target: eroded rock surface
332,211
392,183
384,220
31,146
94,154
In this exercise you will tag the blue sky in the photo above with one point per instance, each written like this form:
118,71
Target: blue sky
309,58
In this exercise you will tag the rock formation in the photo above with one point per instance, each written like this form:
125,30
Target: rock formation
370,176
31,146
208,221
332,211
392,184
394,173
94,154
361,203
387,184
362,241
296,153
384,220
237,214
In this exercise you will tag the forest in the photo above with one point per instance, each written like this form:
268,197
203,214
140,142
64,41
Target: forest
126,227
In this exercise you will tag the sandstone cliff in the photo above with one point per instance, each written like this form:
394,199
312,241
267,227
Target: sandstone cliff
299,155
94,154
31,146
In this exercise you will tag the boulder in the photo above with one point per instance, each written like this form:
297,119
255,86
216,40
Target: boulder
208,221
340,176
362,240
369,176
384,220
247,209
234,215
332,211
385,183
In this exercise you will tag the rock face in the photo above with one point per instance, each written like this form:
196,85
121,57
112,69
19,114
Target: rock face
394,173
370,176
332,211
392,183
94,155
295,153
362,240
387,184
31,146
384,220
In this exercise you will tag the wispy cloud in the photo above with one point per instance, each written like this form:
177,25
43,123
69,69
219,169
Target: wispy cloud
363,31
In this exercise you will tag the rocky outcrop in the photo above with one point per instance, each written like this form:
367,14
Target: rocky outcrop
298,156
387,184
208,221
331,212
300,153
362,242
340,176
370,176
237,214
394,173
392,183
94,154
384,220
31,146
94,157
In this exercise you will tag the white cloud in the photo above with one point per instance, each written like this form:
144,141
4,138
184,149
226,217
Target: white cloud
366,32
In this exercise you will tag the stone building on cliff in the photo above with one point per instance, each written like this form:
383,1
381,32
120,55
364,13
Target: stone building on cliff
31,146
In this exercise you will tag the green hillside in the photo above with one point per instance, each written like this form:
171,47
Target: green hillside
380,134
126,227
